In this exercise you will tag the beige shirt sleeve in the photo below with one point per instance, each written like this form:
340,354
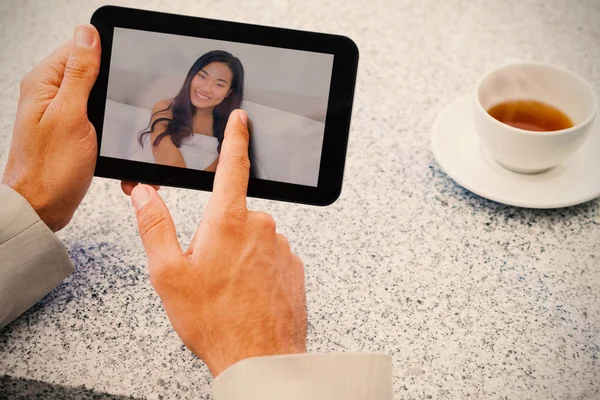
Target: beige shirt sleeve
33,261
307,377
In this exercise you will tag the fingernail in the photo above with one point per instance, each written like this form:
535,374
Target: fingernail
83,37
243,117
140,196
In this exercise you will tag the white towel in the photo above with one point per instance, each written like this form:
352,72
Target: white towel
198,151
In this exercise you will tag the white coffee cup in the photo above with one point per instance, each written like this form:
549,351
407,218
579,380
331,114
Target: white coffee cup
526,151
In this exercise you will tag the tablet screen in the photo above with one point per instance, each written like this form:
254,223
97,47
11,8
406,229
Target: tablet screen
169,97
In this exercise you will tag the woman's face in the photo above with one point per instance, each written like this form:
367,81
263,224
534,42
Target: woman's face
211,85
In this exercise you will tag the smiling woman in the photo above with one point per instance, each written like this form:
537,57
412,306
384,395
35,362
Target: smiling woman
187,130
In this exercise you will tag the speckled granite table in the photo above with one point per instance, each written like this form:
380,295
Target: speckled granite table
472,298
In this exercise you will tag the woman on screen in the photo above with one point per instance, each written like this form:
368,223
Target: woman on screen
187,131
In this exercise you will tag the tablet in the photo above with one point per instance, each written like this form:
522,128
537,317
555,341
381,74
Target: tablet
175,79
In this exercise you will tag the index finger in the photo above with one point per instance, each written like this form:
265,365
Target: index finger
233,170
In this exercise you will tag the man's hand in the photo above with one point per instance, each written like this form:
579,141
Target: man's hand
237,291
53,150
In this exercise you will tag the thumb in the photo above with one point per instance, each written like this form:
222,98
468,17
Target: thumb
156,227
82,66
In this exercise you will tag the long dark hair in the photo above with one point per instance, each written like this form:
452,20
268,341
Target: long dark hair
179,127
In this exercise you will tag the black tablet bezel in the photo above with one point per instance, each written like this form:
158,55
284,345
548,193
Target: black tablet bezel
337,123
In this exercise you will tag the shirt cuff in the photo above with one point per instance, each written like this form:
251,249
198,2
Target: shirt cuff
33,261
307,376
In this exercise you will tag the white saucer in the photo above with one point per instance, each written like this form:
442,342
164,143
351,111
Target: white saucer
458,151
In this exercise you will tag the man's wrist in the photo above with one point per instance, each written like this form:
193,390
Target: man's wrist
37,199
218,365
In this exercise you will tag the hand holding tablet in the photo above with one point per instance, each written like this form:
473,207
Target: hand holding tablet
168,83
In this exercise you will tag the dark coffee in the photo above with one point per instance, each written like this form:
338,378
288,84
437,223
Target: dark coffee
531,115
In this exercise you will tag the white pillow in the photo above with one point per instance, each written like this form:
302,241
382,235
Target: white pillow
287,147
122,123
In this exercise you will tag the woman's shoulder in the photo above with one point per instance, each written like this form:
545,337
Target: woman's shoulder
162,106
